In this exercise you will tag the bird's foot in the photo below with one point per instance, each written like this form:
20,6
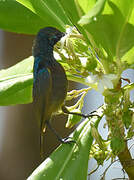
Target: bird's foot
67,140
66,111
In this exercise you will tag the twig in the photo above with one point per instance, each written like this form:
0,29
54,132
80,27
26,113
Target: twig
131,146
104,174
94,170
120,178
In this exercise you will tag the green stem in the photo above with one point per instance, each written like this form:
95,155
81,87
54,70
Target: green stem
127,162
80,80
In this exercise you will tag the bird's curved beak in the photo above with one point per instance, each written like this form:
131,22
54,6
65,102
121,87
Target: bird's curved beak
63,34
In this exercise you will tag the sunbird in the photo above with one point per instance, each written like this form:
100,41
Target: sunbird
49,78
49,81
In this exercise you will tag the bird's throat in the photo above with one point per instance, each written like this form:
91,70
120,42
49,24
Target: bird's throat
42,49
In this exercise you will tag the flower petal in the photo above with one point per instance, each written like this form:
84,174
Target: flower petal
92,79
111,76
100,86
107,82
62,41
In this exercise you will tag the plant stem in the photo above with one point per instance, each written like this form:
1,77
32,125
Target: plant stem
127,162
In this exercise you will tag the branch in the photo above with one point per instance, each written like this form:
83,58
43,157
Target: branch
127,162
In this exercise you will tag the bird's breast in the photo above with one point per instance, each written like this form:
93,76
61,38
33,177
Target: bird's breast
59,86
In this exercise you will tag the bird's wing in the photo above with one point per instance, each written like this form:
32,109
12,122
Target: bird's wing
41,93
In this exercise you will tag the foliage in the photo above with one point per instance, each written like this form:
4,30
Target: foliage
66,157
98,47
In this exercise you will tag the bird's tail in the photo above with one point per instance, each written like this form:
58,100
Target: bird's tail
41,144
39,106
42,132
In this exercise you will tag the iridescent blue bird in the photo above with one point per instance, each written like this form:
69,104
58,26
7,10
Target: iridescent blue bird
50,82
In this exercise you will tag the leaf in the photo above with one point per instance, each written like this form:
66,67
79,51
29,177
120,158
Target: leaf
113,30
49,11
16,83
93,13
28,16
74,14
16,18
22,68
86,5
68,161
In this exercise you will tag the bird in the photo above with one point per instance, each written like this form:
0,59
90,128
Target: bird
49,79
49,82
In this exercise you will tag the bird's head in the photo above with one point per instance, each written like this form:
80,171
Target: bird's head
50,34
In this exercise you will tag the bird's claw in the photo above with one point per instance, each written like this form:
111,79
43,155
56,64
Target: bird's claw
68,141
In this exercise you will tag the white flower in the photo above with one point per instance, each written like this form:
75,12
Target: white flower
63,39
103,81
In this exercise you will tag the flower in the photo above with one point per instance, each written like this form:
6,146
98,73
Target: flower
63,39
103,81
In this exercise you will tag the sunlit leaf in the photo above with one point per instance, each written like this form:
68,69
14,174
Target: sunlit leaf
74,13
114,30
65,162
93,13
16,83
14,17
49,11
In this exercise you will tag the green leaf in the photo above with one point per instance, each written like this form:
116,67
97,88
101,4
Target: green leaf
28,16
16,18
74,14
86,5
113,30
49,11
68,161
129,87
93,13
16,83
